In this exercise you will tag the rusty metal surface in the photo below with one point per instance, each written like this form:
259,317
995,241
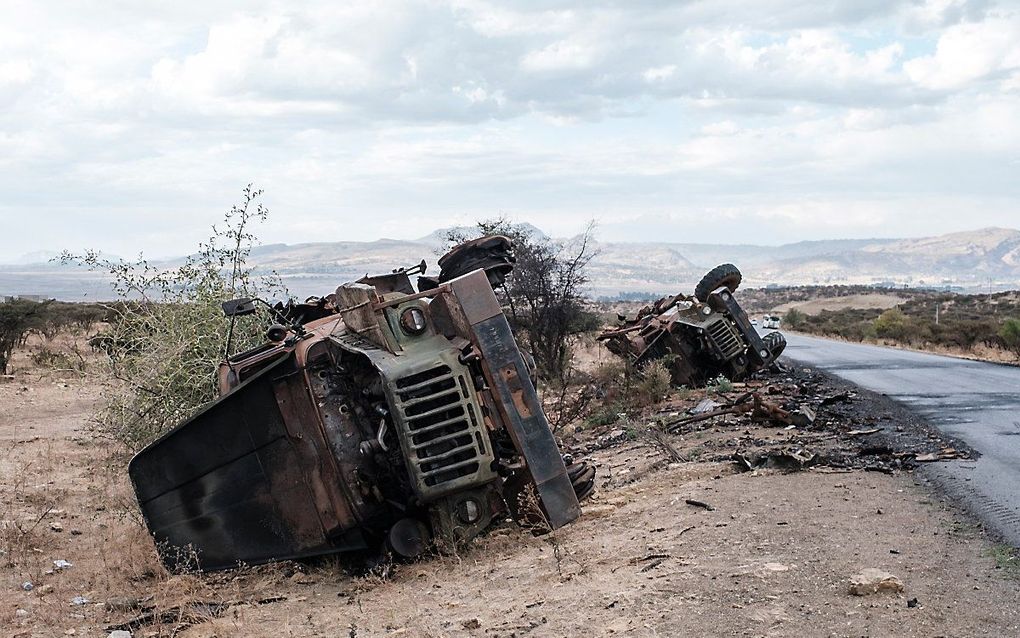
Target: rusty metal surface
517,401
234,483
357,429
698,341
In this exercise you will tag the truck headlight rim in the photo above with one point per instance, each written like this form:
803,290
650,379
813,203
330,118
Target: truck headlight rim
412,321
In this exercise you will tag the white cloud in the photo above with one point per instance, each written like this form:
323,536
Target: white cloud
144,120
969,52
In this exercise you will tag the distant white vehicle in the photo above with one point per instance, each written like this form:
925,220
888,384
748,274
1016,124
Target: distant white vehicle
754,322
770,322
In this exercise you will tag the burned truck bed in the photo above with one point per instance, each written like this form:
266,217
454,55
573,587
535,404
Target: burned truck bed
697,337
394,421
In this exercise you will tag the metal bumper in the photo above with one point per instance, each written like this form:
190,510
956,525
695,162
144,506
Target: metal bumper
507,375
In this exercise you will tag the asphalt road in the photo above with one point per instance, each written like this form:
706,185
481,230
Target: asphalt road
976,402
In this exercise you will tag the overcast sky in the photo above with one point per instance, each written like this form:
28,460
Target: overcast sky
128,126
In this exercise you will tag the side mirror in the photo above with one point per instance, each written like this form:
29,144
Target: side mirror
238,307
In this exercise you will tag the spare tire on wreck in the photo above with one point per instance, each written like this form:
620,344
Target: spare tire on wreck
582,478
492,253
775,342
723,275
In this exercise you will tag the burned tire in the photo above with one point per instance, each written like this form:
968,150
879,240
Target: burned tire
582,478
775,342
725,275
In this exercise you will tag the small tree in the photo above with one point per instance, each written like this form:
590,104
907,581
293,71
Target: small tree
794,318
1010,334
544,295
892,324
18,317
167,333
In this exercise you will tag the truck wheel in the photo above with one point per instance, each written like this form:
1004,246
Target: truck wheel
725,275
775,342
408,538
582,478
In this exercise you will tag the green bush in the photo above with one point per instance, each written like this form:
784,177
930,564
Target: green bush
653,384
1010,335
168,334
794,319
606,415
719,385
892,324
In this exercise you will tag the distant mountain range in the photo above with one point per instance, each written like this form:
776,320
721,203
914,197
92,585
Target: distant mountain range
974,260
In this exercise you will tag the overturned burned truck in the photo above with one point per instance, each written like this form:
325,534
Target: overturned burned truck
380,417
698,338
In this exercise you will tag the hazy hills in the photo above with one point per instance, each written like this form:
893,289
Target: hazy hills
969,260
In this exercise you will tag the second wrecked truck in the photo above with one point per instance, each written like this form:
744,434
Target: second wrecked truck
698,338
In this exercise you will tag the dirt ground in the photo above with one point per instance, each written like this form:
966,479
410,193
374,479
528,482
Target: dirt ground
862,301
773,557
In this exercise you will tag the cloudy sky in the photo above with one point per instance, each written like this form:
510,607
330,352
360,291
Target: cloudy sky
130,126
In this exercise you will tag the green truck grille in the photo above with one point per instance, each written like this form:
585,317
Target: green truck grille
725,339
443,431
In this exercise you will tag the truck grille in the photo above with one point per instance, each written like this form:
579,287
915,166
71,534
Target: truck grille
444,438
725,339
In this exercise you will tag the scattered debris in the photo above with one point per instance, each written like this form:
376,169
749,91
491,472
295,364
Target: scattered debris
706,405
842,397
60,564
27,586
185,615
123,604
942,455
79,600
754,405
700,504
650,566
663,442
872,581
796,459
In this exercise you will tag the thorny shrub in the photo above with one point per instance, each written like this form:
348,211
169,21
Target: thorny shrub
624,389
71,360
168,333
544,296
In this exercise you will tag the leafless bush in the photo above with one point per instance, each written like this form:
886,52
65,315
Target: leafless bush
544,295
167,334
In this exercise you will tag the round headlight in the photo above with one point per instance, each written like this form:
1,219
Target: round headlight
412,321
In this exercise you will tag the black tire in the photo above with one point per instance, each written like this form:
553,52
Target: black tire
582,478
775,342
724,275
